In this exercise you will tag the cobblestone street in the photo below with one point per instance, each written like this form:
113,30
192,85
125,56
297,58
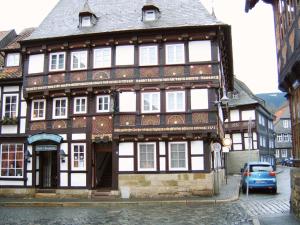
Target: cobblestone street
149,214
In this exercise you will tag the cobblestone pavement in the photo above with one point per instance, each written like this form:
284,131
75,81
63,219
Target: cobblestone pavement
221,214
264,203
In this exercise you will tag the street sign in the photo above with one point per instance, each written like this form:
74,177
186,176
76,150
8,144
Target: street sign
227,142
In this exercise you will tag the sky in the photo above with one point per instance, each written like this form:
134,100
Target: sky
254,50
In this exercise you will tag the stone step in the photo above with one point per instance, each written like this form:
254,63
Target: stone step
46,191
46,195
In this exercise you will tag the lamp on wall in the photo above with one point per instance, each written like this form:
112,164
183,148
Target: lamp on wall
27,156
63,155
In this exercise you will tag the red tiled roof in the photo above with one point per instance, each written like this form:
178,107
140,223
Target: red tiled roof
11,73
15,43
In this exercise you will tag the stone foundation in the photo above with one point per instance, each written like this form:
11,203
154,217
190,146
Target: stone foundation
295,191
166,185
17,192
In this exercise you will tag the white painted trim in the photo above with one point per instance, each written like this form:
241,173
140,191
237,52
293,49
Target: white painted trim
181,61
53,108
94,58
79,60
72,157
151,102
97,104
138,157
74,105
57,62
186,157
148,55
32,109
80,136
10,89
4,102
175,108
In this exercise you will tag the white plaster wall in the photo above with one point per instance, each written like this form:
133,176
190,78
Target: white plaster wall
198,163
126,149
22,126
234,115
29,165
81,136
78,179
11,88
23,108
37,164
162,163
64,165
248,114
199,99
11,183
37,178
63,179
197,147
64,136
162,148
199,51
29,179
9,129
126,164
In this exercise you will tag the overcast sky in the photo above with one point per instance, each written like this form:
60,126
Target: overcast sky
254,51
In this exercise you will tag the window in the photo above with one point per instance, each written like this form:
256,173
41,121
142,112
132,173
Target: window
78,157
199,51
80,105
150,15
178,156
79,60
175,54
262,141
248,114
86,21
146,157
283,153
286,138
148,55
261,120
102,57
127,102
13,59
176,101
277,154
237,143
234,115
151,102
199,99
270,125
279,137
286,123
11,160
60,108
38,109
125,55
36,63
247,139
103,102
57,61
10,105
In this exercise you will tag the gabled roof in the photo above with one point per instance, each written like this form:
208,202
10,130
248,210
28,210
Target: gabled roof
86,9
121,15
283,112
6,37
14,44
245,95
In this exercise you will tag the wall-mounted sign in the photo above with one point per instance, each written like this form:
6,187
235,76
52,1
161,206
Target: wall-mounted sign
227,142
44,137
45,148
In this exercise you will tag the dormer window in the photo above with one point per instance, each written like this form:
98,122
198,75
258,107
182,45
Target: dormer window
150,15
150,11
86,21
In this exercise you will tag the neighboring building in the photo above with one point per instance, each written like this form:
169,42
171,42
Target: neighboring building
243,106
122,96
282,126
287,33
13,114
5,38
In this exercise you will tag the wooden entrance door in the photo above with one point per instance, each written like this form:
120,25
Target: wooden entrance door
48,167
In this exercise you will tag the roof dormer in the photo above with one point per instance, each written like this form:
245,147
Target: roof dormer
150,12
87,18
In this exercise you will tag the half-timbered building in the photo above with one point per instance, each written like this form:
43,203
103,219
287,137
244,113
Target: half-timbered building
13,114
250,126
126,96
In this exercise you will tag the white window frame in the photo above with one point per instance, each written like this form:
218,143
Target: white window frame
286,123
149,15
37,59
4,103
154,157
54,108
286,138
73,159
170,158
14,159
32,109
97,105
175,60
284,153
277,154
125,55
279,137
150,102
102,63
12,59
86,21
80,105
147,60
57,54
175,108
82,58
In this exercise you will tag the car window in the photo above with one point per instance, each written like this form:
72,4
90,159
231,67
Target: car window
260,168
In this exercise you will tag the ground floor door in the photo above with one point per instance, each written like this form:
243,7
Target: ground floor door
48,169
102,165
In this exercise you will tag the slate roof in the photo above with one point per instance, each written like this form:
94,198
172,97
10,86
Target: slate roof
121,15
14,44
245,95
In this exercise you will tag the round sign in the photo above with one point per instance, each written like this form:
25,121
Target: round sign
227,142
216,147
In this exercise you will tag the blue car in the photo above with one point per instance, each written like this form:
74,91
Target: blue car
260,176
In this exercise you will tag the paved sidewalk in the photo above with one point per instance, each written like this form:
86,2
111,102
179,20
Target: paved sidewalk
228,193
287,219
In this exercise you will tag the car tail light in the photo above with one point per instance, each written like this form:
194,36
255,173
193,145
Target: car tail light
272,174
247,174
